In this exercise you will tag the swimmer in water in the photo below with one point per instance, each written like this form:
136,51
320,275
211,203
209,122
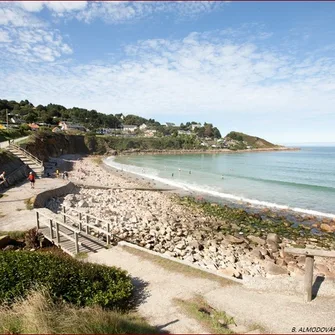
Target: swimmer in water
222,177
172,174
190,172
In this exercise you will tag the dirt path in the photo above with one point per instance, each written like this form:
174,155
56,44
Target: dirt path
275,311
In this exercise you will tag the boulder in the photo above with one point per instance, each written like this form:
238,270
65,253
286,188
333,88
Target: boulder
234,240
327,228
273,269
230,271
256,239
272,237
82,203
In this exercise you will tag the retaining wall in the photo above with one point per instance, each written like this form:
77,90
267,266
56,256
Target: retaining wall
42,198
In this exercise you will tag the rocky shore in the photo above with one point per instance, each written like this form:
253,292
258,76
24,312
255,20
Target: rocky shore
157,221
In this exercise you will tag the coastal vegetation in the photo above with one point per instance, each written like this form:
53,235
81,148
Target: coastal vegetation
24,113
240,141
64,278
38,313
239,221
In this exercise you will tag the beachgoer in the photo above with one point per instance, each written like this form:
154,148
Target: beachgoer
172,174
66,175
63,175
57,173
31,178
222,177
190,172
2,176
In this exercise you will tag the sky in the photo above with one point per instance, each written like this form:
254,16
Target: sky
262,68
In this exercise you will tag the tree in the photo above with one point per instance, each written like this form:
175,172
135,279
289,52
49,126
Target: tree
216,133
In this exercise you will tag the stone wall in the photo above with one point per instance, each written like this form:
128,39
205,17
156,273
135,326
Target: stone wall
15,169
42,198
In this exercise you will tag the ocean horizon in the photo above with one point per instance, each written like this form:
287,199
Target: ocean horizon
302,181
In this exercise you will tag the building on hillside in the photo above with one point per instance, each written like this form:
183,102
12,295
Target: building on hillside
67,126
33,126
16,120
196,125
184,132
143,126
169,124
150,133
127,128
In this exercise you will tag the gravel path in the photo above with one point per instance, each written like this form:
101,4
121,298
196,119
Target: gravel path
13,211
275,312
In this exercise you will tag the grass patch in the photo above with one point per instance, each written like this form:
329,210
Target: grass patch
15,234
38,314
29,203
177,267
81,255
216,322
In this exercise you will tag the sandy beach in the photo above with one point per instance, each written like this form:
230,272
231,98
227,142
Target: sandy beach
153,219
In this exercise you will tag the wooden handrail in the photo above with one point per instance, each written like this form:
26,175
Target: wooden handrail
89,215
309,263
86,223
310,252
75,230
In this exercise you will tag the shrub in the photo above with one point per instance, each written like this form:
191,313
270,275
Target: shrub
83,284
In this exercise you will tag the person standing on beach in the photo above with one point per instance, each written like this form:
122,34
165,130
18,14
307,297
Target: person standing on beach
31,178
57,173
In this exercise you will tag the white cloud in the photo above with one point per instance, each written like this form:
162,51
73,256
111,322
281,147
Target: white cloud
196,76
4,37
25,38
56,6
120,11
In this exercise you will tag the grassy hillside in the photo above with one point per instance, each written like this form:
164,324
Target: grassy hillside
236,140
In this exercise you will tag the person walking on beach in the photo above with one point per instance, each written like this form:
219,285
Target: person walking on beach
66,175
57,173
31,178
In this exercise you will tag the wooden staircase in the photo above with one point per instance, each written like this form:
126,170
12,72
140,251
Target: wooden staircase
27,158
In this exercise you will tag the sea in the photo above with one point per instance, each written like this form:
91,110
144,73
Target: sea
301,181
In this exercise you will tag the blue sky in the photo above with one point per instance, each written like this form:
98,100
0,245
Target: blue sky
263,68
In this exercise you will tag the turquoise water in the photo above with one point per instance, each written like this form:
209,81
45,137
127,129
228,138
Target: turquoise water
300,180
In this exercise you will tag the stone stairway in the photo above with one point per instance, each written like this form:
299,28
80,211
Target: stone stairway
27,158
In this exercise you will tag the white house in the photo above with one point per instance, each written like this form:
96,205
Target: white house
129,128
143,126
184,132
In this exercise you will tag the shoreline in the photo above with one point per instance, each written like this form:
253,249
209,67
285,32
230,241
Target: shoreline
199,151
226,198
239,245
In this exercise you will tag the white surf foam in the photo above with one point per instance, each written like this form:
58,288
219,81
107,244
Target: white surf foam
153,174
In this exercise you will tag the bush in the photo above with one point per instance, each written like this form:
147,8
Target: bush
83,284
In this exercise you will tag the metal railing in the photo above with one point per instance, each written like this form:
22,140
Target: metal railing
14,146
